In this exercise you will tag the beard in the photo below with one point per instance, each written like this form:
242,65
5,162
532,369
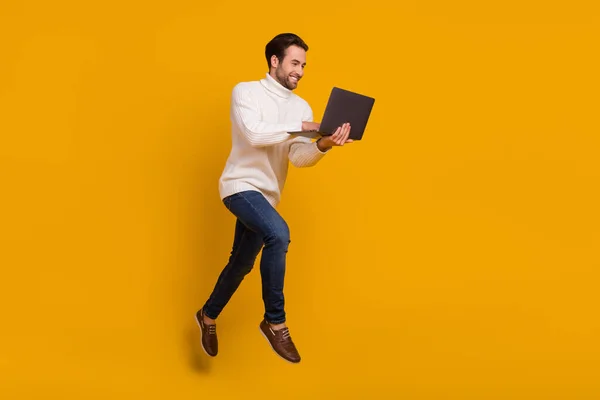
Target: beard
285,80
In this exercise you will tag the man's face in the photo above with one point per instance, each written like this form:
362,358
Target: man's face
291,69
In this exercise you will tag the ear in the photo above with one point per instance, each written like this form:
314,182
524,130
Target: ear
274,61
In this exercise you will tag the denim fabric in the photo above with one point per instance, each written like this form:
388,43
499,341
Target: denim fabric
258,224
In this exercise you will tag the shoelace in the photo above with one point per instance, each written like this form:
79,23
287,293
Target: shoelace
285,333
212,329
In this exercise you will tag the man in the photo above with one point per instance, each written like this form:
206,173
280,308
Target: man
262,114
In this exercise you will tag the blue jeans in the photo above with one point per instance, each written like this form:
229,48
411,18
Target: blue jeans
258,224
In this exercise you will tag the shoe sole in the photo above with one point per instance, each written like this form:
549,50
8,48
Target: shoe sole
272,348
202,337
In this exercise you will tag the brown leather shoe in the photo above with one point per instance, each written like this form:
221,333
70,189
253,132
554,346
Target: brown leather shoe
281,342
210,344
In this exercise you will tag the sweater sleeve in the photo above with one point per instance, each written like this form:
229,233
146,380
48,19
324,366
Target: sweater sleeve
259,133
303,152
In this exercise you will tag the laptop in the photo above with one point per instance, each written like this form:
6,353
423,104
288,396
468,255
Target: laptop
343,106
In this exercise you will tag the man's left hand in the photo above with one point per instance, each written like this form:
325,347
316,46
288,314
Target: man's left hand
339,138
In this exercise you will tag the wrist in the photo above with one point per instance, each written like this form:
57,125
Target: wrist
322,145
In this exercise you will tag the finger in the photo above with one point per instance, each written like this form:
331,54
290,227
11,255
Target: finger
340,139
348,140
345,134
336,134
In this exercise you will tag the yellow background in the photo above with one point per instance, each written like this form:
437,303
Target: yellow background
452,254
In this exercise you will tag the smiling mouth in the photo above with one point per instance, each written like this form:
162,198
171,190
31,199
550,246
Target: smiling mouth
294,79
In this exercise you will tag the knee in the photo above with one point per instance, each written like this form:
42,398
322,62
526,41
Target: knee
245,269
279,237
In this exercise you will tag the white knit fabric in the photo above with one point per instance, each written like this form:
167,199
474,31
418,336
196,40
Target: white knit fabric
262,112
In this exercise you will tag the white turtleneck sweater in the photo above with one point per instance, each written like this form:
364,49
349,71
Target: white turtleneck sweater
262,114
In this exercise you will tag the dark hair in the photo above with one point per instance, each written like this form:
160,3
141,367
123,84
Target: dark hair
279,44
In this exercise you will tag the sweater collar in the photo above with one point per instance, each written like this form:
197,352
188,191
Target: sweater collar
273,86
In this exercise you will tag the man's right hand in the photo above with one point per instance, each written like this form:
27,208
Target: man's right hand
310,126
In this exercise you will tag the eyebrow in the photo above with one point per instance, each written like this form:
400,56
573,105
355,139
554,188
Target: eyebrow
298,61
